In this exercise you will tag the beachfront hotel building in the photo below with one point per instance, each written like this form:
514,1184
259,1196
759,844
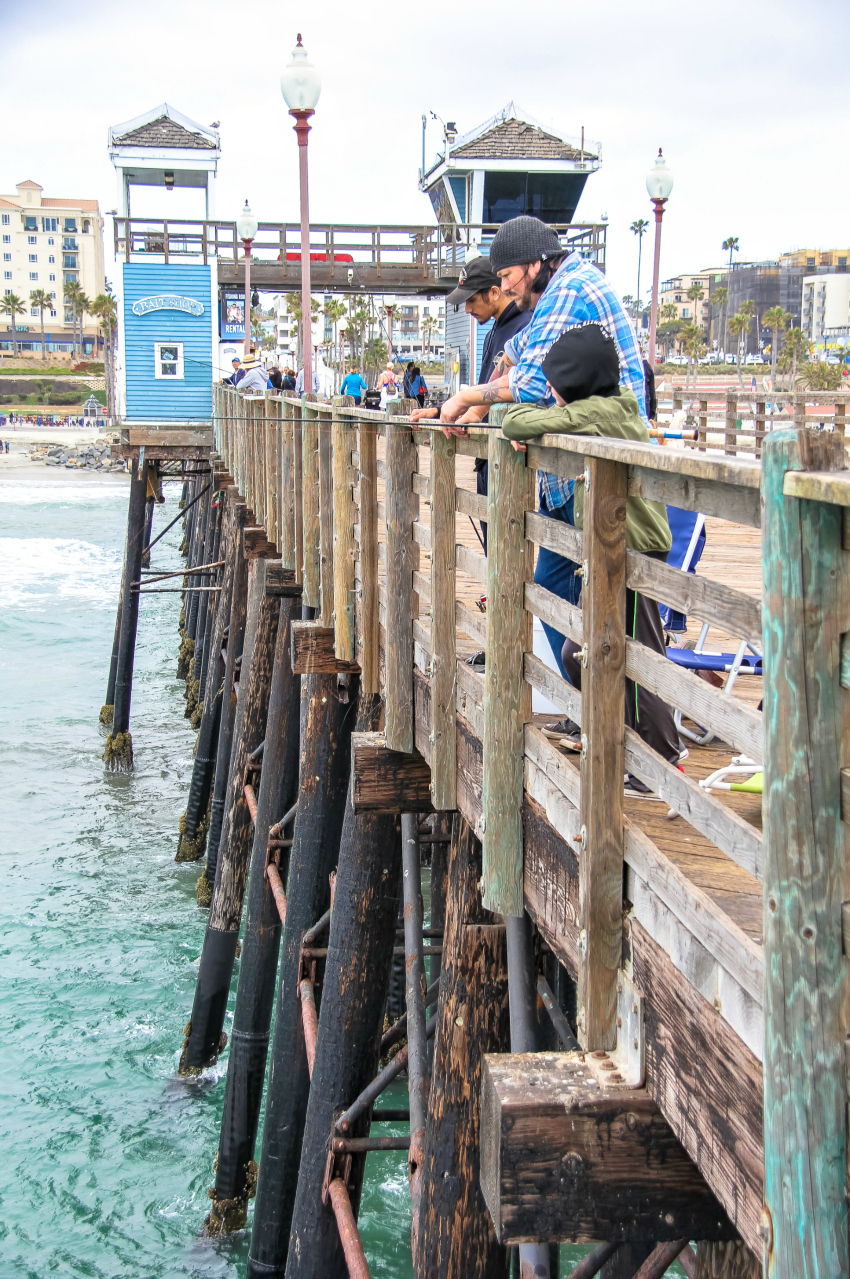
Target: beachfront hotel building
48,242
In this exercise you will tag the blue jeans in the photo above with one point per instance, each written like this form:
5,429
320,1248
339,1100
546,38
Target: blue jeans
558,575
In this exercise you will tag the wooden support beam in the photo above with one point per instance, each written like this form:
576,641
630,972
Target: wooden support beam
367,443
602,756
160,452
286,490
443,638
310,504
563,1158
313,651
385,780
729,1260
281,581
400,465
136,436
257,544
326,517
343,535
806,744
507,697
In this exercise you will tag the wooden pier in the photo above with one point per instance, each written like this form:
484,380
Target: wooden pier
699,934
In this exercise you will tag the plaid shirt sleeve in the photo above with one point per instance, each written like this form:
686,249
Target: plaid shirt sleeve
577,294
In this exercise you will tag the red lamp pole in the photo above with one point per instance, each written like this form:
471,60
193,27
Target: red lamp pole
653,319
302,128
247,245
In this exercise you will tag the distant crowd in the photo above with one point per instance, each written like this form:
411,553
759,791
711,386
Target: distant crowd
249,375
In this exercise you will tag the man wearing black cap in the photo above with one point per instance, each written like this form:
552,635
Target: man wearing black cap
481,293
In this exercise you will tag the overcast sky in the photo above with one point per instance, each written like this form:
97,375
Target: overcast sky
748,99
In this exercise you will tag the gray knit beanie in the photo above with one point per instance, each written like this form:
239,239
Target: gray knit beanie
524,240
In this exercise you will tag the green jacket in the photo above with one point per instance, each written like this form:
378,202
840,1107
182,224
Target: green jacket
615,417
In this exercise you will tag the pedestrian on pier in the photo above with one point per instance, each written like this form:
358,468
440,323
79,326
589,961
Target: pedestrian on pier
255,377
560,289
299,383
583,377
354,385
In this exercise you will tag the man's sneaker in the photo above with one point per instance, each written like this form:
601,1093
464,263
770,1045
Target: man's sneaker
683,751
562,728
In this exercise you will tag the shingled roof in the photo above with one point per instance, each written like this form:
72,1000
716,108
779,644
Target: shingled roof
516,140
164,132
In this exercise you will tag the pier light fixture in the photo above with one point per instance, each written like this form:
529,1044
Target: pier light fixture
659,184
301,85
246,229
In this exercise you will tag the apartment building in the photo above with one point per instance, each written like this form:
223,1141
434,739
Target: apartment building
674,292
48,242
419,328
826,310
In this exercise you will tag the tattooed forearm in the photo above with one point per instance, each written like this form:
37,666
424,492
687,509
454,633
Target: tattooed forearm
492,394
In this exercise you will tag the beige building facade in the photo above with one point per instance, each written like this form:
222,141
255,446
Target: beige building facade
674,292
47,243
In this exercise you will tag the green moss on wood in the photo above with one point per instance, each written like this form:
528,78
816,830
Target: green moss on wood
106,714
203,890
192,850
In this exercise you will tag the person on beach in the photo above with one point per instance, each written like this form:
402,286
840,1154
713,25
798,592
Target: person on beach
582,368
537,273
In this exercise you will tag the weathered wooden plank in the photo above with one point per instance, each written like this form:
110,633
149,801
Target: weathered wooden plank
805,993
474,623
270,409
818,486
310,506
732,834
556,536
507,697
326,517
706,1082
734,722
467,561
422,535
368,639
552,686
385,780
400,464
698,597
563,1158
165,435
732,1260
738,473
443,622
313,651
725,501
343,557
159,452
286,491
603,709
472,504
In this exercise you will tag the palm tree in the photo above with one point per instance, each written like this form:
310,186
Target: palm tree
696,295
639,229
42,299
334,311
105,311
13,306
430,326
732,245
374,355
739,327
392,312
721,297
775,319
72,290
820,376
83,307
796,344
689,336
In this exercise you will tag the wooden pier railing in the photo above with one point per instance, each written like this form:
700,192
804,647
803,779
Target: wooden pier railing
728,938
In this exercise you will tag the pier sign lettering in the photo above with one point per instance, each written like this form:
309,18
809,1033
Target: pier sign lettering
168,302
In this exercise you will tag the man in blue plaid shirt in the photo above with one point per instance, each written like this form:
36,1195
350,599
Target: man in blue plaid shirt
561,290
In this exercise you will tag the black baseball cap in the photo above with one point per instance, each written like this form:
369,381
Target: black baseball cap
475,277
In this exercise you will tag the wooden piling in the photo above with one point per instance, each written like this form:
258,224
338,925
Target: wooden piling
357,971
343,539
456,1236
235,644
603,740
108,709
443,640
146,539
203,1039
400,465
367,442
249,1039
322,791
805,606
414,987
118,752
507,697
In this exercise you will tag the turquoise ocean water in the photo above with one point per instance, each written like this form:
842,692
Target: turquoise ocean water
106,1154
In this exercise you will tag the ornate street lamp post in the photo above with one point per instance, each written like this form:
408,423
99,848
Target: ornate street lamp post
301,86
659,184
246,229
